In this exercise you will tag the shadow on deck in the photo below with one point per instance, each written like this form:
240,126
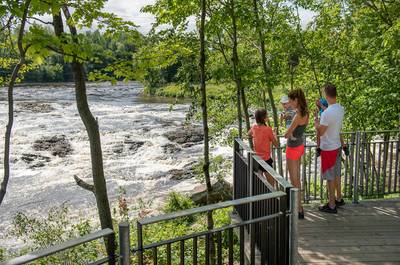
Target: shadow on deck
364,233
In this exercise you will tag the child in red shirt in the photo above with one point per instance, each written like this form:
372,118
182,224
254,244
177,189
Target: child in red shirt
263,136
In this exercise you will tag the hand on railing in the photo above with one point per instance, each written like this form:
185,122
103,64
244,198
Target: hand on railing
346,150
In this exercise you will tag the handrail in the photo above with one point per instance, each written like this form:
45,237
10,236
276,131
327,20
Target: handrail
203,209
354,132
212,231
243,145
58,248
281,181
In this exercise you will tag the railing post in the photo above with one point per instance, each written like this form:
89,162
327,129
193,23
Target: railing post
250,174
279,162
294,204
140,243
235,149
124,243
356,168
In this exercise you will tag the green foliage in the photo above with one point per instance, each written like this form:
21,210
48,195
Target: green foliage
58,227
177,202
167,230
220,167
39,233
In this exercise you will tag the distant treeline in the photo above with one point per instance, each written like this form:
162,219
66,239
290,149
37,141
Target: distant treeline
55,69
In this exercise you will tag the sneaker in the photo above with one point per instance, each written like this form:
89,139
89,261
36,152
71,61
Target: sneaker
301,215
318,152
327,209
340,203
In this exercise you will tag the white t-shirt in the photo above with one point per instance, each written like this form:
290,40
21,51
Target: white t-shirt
333,118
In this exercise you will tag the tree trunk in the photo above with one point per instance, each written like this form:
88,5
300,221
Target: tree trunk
10,98
308,54
235,66
265,67
206,166
236,70
91,125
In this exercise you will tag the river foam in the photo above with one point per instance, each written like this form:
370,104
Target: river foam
132,133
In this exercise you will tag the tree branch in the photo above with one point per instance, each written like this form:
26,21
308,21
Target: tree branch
64,53
7,24
38,19
84,185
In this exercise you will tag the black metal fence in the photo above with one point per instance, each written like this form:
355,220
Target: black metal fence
270,228
370,171
253,176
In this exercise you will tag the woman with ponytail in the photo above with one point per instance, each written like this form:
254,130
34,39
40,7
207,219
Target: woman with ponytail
295,140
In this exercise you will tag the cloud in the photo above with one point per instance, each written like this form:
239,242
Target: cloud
130,10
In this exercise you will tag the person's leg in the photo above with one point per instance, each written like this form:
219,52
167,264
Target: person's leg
338,187
331,192
298,162
329,174
294,177
338,182
269,178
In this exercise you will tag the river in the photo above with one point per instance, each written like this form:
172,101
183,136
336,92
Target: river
137,154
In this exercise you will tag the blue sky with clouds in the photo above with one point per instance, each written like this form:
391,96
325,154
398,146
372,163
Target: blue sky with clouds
130,10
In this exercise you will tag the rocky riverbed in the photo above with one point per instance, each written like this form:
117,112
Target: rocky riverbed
147,147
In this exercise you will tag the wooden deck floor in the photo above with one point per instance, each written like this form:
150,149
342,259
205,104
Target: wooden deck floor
367,233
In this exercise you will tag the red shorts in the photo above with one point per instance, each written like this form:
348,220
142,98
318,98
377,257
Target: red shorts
294,153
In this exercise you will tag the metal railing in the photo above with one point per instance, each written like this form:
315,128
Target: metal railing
274,233
253,176
371,170
41,254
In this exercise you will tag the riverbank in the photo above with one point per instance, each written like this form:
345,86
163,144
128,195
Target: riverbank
173,90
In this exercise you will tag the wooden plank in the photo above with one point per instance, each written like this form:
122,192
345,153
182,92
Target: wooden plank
351,257
346,229
328,262
362,241
351,227
350,249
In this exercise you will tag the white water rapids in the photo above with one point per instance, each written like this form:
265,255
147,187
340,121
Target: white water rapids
124,117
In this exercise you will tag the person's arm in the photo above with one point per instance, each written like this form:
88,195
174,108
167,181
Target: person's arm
344,146
274,140
322,126
250,133
292,127
319,104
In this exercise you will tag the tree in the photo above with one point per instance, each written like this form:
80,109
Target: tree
261,39
24,8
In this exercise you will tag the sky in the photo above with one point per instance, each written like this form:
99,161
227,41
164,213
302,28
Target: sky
130,10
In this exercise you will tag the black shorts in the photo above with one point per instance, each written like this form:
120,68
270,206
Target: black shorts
269,162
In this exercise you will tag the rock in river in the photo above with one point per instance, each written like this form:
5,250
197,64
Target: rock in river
185,135
58,145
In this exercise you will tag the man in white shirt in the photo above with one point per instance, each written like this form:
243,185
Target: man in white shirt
329,129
